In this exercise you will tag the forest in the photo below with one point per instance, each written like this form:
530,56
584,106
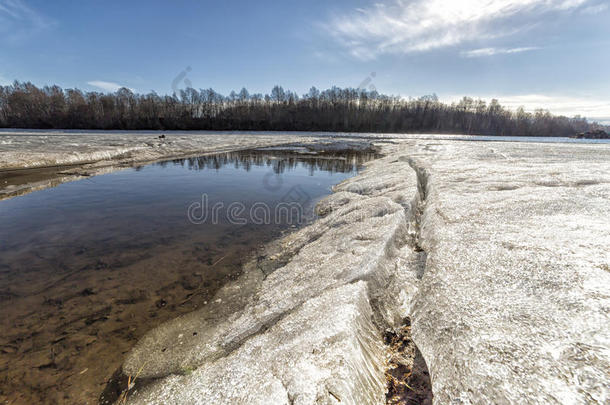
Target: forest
24,105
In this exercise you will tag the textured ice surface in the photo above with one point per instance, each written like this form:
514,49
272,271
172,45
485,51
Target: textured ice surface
38,148
325,350
29,150
514,303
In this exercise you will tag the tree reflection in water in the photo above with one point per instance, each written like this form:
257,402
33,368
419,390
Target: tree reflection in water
337,161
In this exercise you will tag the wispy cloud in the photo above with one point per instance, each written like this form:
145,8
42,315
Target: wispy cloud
476,53
106,86
4,81
402,26
593,108
595,9
18,21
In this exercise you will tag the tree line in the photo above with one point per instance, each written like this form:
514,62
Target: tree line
24,105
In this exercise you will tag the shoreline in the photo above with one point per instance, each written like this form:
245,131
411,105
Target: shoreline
403,243
49,164
488,257
104,295
103,147
57,168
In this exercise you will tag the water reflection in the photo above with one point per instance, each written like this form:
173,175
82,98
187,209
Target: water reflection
278,161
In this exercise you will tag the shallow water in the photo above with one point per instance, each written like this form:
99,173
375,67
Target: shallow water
88,266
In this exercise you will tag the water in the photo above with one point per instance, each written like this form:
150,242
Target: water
88,266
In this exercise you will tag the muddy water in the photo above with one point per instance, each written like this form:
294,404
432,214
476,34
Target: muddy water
86,268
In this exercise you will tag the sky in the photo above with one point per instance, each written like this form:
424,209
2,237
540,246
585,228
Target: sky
552,54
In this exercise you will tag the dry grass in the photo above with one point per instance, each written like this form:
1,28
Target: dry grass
130,384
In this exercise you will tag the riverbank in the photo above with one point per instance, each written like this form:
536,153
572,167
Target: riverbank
495,254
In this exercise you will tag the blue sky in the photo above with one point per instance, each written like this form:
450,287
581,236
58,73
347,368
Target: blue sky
548,53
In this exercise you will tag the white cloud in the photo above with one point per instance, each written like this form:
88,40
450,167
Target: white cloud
595,109
402,26
475,53
18,21
107,86
4,81
595,9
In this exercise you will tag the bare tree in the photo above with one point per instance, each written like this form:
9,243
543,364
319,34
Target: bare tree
24,105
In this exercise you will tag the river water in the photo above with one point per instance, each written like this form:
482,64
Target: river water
87,267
